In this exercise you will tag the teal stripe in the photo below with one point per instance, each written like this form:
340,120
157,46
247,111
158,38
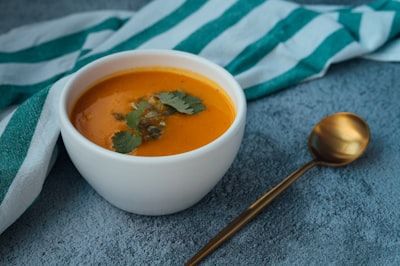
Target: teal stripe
16,139
14,94
162,25
306,67
201,37
351,21
83,52
59,46
385,5
283,31
395,30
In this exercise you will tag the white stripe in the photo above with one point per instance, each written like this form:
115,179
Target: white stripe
375,29
333,15
324,8
29,180
148,15
172,37
36,34
95,39
286,55
248,30
27,74
362,9
354,49
388,53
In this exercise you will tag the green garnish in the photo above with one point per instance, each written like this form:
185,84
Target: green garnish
133,117
181,102
125,141
147,119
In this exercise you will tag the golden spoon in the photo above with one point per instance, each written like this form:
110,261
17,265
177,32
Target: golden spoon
336,140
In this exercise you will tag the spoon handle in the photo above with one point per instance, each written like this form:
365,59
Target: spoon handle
249,213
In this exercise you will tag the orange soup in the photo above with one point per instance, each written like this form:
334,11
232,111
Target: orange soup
101,112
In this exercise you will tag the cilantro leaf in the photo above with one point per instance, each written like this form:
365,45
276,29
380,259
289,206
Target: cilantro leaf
195,103
181,102
133,117
125,141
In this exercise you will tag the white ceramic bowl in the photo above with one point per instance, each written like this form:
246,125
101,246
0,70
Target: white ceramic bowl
151,185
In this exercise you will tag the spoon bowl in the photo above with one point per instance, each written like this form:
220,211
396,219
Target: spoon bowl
336,140
339,139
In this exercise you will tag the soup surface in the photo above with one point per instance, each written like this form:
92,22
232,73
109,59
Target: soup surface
99,114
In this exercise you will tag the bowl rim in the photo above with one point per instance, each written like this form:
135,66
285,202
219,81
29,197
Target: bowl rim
240,106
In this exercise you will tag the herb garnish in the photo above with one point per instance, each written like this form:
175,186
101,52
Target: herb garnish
125,141
182,102
147,119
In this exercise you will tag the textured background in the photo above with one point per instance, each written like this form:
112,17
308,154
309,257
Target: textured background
337,216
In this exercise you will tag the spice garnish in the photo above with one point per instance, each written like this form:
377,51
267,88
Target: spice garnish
147,119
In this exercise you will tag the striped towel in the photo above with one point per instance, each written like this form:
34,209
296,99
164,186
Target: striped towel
266,45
